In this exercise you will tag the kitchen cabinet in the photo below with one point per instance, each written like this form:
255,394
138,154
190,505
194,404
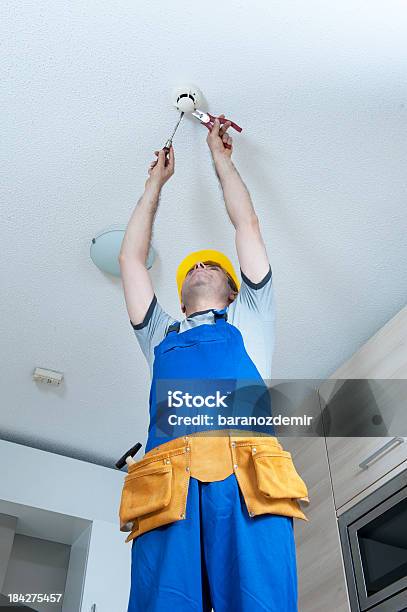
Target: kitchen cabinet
321,578
346,456
331,469
384,356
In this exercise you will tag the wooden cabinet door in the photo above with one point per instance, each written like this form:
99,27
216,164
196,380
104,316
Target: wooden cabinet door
345,456
383,356
321,577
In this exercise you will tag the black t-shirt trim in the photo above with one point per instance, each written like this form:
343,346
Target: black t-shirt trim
199,312
256,285
148,315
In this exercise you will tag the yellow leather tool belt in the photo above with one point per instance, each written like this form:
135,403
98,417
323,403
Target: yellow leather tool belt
155,489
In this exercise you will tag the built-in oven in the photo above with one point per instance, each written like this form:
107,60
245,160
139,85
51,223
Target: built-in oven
374,543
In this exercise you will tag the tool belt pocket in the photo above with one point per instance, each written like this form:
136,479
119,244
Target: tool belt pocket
276,475
268,480
144,491
154,492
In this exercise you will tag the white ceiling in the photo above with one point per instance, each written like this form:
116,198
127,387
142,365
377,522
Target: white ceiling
320,90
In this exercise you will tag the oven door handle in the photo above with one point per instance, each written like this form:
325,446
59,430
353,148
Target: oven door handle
396,440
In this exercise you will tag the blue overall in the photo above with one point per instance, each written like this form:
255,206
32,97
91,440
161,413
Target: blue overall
218,557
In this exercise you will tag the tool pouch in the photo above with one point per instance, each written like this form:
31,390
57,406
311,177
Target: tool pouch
155,491
267,477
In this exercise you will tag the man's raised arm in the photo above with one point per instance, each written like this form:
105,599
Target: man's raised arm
138,289
250,247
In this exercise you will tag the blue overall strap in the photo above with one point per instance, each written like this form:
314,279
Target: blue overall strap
174,327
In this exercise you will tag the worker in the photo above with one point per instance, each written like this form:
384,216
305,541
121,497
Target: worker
207,533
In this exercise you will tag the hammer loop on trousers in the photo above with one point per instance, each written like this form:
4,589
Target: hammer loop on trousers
156,487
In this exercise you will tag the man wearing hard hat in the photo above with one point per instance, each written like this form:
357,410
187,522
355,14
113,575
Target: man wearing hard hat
211,515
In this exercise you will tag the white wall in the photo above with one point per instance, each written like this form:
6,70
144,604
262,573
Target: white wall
44,480
75,488
107,584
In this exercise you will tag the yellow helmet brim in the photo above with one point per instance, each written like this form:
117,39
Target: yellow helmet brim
205,255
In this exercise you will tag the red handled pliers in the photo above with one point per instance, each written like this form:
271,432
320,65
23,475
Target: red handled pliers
208,120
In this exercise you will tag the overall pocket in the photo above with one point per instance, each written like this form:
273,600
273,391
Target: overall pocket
144,491
276,475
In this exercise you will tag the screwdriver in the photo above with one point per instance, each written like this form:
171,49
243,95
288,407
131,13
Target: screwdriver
168,144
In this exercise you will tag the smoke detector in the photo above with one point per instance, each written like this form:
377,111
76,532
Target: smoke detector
187,98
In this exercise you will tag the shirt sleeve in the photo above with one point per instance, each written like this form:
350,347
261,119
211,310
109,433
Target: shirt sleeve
151,331
253,313
257,297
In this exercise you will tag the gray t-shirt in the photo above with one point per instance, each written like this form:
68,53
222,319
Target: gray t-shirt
252,312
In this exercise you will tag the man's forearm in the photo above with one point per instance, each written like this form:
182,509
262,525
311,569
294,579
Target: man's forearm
137,238
250,246
236,195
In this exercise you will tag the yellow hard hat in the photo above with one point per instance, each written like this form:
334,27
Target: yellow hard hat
205,255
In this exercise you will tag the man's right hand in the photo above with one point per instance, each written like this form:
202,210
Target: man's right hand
160,171
217,140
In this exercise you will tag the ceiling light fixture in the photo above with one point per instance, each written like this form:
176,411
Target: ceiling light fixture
105,248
